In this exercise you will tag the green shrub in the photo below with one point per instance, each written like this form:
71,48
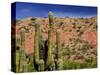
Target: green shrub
75,65
66,51
71,65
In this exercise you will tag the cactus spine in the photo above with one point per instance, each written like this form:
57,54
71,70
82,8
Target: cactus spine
59,52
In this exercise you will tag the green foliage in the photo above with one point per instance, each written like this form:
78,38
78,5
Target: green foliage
75,65
66,51
88,65
85,46
31,67
71,65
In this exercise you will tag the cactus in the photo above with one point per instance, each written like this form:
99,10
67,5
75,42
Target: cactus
59,51
38,63
49,53
18,42
50,65
23,63
36,45
17,61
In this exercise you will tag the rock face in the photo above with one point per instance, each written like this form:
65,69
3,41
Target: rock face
75,34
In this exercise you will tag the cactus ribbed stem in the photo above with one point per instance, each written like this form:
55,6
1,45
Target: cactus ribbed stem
50,65
38,62
36,44
18,42
49,55
59,51
23,66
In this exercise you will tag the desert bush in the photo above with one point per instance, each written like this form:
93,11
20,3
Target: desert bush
70,65
75,65
66,51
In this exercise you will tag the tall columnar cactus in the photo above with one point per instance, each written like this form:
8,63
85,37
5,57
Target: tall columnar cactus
50,65
36,44
37,61
23,63
59,51
50,59
17,62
